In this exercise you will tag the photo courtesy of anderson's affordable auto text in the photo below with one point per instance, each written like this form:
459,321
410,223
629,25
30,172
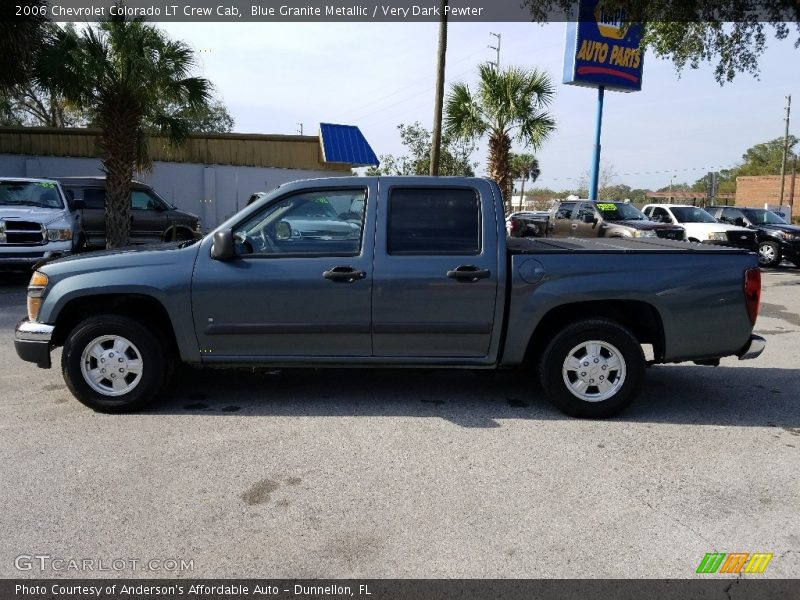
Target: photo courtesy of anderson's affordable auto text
399,299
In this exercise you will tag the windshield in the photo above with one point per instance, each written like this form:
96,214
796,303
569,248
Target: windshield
30,193
620,211
763,217
692,214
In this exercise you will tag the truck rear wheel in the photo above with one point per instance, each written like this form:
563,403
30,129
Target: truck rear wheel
113,364
592,369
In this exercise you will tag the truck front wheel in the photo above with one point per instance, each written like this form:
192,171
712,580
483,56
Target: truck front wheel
592,369
113,364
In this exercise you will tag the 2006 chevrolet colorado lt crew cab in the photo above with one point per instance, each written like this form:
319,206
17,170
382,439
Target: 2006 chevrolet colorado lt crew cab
425,276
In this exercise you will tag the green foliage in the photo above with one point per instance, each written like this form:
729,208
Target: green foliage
766,158
207,118
525,167
507,104
123,74
20,40
732,35
762,159
455,156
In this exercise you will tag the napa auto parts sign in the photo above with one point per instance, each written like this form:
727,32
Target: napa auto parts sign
603,50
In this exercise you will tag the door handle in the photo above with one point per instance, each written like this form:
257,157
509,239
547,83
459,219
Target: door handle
574,225
468,273
344,274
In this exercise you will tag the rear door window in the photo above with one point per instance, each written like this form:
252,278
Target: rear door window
95,198
565,210
435,221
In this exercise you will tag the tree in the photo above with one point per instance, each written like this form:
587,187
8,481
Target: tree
31,106
123,73
507,103
732,33
455,155
20,40
766,158
212,117
760,159
605,180
524,167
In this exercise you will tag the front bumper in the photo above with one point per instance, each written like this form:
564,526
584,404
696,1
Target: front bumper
32,342
753,348
24,256
753,247
790,249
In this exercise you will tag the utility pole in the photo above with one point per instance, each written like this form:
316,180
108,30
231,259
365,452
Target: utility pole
496,49
791,190
436,142
300,131
785,146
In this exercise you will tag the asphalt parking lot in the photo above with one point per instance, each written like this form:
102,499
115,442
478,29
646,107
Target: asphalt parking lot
412,474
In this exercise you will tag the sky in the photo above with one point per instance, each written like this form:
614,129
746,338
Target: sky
273,76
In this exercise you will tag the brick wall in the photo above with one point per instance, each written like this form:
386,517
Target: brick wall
755,191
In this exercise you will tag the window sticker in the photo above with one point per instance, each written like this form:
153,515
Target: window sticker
605,207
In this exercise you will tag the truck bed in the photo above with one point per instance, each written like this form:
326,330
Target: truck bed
613,246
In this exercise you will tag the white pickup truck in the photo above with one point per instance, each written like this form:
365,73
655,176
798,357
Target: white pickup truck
36,221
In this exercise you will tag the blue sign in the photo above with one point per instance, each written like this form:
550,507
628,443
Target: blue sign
602,50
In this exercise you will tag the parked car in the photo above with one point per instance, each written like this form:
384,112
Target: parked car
701,226
608,219
153,219
431,280
36,221
528,224
776,238
332,216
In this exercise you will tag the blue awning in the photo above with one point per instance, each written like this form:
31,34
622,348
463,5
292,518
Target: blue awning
345,144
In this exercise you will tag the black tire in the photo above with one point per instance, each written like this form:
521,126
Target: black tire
142,346
769,254
618,361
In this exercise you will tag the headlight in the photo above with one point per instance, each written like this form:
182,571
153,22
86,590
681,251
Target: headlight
59,235
717,236
644,233
36,289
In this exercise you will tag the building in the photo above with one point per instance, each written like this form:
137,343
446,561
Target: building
213,175
764,190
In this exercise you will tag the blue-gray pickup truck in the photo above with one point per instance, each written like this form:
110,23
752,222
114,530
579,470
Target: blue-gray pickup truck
390,272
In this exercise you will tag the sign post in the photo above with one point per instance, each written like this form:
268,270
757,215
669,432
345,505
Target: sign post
602,51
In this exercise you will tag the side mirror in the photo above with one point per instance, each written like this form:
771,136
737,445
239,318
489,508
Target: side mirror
77,204
589,219
739,222
223,245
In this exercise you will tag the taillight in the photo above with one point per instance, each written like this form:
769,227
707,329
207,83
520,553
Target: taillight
752,292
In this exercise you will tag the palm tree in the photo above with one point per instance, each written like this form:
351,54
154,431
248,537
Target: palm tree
20,40
508,103
123,73
524,167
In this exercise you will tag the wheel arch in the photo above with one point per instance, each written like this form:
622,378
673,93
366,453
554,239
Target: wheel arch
144,309
640,318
